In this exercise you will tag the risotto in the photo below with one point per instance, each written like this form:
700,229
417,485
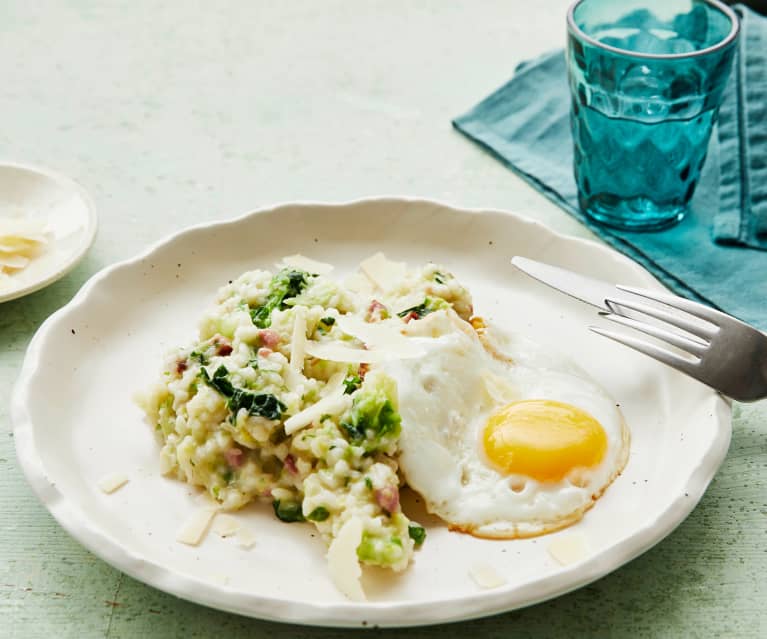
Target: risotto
279,399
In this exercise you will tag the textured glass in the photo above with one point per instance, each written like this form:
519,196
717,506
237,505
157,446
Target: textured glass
646,79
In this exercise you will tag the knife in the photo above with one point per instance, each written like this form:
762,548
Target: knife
585,289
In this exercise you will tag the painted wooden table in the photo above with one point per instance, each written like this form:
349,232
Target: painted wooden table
199,110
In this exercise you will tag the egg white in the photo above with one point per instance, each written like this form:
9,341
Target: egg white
445,399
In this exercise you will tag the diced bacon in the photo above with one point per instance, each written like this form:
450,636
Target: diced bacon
223,345
410,316
388,498
264,352
290,464
234,457
269,338
181,366
362,370
376,311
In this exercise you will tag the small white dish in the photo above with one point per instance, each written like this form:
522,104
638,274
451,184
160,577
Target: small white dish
75,421
63,207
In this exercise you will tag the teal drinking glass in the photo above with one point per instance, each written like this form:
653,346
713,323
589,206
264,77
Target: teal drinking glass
646,78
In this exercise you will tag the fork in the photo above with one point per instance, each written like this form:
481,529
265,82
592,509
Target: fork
717,349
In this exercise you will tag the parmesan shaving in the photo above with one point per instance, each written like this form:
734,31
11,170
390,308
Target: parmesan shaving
196,527
343,565
13,261
309,265
298,340
486,577
245,538
382,272
225,525
386,335
21,240
334,352
331,405
569,549
111,483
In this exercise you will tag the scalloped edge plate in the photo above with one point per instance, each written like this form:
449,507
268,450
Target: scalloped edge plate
680,429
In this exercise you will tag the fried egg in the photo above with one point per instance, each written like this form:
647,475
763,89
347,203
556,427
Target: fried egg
499,437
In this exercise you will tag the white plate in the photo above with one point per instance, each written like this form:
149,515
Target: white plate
75,421
59,203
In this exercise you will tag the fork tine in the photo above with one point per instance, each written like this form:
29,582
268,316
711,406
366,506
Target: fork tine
694,328
693,308
660,354
691,346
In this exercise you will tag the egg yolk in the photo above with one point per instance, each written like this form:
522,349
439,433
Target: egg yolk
543,439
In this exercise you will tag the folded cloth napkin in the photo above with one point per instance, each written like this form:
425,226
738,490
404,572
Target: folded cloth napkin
715,254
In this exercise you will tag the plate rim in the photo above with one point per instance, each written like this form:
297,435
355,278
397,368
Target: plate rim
89,236
343,614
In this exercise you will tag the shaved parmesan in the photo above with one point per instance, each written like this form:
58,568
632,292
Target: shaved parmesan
194,530
20,241
307,264
334,383
359,283
382,272
385,334
225,525
13,261
569,549
245,538
343,565
111,483
334,352
23,228
330,405
485,576
298,341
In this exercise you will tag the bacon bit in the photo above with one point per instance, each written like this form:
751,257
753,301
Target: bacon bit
264,352
410,316
388,498
290,464
362,370
222,344
181,366
269,338
233,457
376,311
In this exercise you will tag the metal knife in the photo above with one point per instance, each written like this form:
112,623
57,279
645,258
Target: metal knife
586,289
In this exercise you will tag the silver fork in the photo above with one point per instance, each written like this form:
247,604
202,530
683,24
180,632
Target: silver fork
720,351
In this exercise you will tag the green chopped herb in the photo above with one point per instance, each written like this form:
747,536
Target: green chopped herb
257,404
288,511
417,533
429,305
328,321
352,383
227,476
318,514
439,278
200,357
369,483
288,283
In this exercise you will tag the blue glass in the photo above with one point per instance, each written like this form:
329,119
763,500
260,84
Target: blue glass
646,78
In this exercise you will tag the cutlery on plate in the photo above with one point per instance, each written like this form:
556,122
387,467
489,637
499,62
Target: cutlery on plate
711,346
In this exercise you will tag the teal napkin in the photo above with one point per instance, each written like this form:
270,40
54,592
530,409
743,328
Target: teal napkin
715,255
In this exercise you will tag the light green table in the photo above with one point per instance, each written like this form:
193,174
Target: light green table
171,116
